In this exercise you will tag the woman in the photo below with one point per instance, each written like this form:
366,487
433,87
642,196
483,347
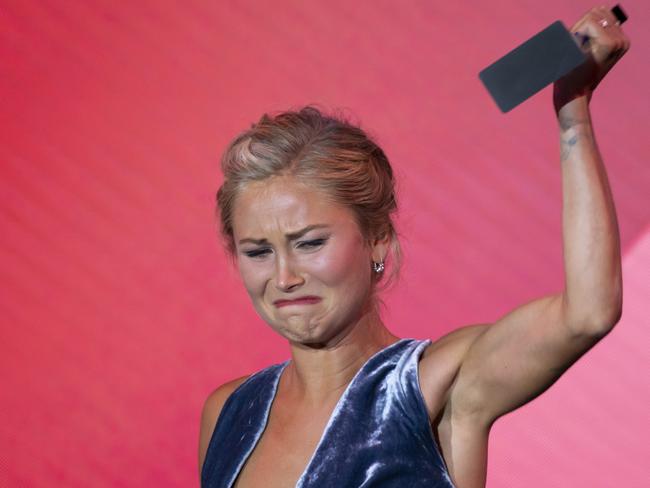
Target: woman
306,209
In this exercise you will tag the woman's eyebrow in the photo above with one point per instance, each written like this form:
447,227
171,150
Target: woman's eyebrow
291,236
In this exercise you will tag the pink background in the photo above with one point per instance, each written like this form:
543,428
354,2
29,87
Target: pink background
119,312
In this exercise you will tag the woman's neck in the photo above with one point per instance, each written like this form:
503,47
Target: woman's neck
318,373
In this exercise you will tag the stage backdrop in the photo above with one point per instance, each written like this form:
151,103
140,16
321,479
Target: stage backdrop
119,313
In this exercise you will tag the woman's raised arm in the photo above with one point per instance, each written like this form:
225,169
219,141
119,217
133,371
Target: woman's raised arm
492,369
508,363
592,254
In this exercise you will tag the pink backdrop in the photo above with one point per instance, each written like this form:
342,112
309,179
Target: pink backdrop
119,313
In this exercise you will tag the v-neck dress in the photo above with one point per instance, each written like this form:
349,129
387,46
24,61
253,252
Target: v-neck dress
377,436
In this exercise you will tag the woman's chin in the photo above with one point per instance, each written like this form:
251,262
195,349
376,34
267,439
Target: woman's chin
305,332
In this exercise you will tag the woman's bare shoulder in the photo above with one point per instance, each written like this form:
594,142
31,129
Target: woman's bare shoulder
439,364
455,342
215,400
210,413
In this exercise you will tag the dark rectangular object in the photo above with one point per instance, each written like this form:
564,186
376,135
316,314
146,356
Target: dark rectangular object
538,62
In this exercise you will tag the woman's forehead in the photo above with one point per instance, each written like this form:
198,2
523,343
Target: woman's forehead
284,204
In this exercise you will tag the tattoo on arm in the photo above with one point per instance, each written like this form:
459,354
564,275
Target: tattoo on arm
567,145
572,130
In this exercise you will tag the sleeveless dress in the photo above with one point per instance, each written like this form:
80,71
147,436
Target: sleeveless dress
377,436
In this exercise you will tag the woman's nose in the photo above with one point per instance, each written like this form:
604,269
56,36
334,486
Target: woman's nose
286,277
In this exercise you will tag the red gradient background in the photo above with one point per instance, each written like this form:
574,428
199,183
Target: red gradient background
119,311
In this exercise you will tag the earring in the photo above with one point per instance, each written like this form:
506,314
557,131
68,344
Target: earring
378,267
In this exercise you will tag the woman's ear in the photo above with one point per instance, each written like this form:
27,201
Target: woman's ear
379,247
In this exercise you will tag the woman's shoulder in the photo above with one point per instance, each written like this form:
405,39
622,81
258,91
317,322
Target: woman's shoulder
211,410
217,399
440,362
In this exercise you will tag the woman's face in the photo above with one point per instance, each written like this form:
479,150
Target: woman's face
283,255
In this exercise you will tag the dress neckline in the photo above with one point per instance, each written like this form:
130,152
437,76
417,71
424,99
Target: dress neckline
276,381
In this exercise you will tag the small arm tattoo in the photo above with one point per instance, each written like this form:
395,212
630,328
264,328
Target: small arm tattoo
566,145
572,130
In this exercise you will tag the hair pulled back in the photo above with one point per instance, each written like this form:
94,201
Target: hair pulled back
325,152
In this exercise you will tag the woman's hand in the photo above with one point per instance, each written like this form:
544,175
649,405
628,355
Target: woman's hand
605,45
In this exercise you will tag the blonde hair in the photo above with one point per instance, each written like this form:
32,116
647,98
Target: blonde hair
323,151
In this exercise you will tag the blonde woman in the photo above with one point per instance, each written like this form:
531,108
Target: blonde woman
306,213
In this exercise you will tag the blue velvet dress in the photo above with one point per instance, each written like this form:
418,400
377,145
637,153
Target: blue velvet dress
377,436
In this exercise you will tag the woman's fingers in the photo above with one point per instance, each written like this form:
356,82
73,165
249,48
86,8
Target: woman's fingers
607,39
607,43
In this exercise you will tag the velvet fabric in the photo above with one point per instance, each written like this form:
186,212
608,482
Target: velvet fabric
377,436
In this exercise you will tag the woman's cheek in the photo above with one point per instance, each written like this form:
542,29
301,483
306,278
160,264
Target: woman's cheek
253,276
336,265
